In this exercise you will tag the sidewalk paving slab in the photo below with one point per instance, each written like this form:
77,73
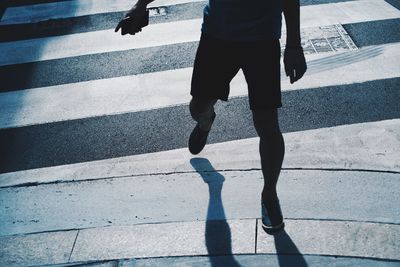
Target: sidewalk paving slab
37,249
166,243
257,261
336,238
169,239
304,194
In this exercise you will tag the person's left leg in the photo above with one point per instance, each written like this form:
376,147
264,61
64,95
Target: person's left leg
261,67
272,150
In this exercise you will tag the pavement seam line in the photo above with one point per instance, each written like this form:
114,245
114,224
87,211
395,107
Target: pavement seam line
173,222
334,256
73,246
189,172
255,245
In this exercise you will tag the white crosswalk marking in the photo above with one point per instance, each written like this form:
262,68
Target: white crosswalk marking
73,8
135,93
90,138
182,31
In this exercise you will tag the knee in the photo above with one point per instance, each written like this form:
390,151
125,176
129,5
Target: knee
266,123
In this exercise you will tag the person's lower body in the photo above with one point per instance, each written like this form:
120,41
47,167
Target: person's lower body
216,63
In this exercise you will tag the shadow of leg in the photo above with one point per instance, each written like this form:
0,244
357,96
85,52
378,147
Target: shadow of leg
218,233
288,253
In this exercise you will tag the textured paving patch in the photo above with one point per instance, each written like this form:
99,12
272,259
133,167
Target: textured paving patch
157,11
331,38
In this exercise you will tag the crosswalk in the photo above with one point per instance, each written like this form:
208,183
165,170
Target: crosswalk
76,105
74,8
160,34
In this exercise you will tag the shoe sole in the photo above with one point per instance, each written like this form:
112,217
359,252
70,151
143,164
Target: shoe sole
273,229
195,152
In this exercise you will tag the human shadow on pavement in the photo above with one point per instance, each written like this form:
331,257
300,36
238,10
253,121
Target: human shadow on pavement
218,233
287,252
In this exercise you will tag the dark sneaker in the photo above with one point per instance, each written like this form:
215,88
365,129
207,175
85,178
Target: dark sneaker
271,217
198,139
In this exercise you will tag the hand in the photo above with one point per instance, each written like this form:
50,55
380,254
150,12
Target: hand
295,63
134,20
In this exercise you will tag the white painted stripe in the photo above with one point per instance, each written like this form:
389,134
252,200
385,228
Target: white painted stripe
137,92
176,32
98,42
74,8
368,146
347,12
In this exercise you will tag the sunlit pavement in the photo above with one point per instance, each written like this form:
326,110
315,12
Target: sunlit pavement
93,130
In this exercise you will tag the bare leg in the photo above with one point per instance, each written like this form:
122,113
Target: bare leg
272,149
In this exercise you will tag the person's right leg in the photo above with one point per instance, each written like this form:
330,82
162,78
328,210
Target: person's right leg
202,111
214,67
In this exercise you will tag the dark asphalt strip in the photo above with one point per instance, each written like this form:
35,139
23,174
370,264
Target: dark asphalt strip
395,3
131,62
168,128
95,22
104,21
374,32
97,66
11,3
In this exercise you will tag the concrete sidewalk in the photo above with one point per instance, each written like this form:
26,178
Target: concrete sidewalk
330,241
339,195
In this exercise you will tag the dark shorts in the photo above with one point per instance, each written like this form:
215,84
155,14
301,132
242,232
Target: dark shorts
218,61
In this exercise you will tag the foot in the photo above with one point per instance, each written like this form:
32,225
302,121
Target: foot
271,216
198,139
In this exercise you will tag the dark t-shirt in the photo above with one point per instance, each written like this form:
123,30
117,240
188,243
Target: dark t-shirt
243,20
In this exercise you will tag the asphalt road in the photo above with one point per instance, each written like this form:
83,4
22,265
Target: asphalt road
168,128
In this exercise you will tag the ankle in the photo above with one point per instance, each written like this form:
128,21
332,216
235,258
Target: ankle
269,195
206,121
